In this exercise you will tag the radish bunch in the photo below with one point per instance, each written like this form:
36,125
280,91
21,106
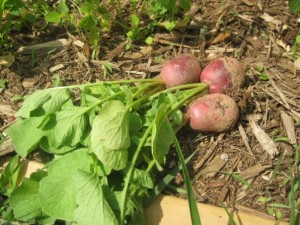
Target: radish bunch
215,112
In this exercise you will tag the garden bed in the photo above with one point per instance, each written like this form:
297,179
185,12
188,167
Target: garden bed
261,34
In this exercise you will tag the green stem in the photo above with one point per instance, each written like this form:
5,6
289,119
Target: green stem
144,98
129,173
146,86
158,81
104,100
181,87
201,90
2,2
191,198
117,6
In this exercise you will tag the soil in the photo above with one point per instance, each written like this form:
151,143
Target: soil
261,34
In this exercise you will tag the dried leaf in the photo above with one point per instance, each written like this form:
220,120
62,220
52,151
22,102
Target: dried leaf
220,37
266,142
7,60
289,127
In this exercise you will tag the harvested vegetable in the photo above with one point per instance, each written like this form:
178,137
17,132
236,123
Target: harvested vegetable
223,75
184,69
106,141
213,113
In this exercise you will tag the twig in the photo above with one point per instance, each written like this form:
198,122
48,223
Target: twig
246,142
209,152
289,127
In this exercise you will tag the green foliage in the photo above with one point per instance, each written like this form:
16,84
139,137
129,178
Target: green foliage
90,18
262,74
103,147
25,200
2,84
17,14
294,6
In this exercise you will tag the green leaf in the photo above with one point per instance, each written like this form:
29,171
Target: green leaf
229,214
170,25
92,207
142,178
94,37
32,102
134,20
53,17
69,128
25,134
107,66
10,175
149,40
57,81
2,84
70,163
161,137
57,196
240,179
111,127
57,191
44,144
110,135
163,183
186,4
17,98
263,76
191,197
63,7
135,122
58,98
24,200
88,22
263,199
112,158
86,8
298,39
294,6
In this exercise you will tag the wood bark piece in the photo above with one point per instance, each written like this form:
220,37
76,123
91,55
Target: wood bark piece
117,51
29,82
254,171
6,147
56,68
209,152
214,166
289,127
265,141
169,210
6,110
45,47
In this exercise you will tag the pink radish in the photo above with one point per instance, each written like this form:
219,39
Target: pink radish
213,113
223,75
183,69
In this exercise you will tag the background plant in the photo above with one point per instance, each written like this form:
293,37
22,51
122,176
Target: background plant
91,18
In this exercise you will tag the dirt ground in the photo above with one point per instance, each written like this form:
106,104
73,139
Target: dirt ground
259,33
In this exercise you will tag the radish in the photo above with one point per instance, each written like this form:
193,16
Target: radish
223,75
213,113
183,69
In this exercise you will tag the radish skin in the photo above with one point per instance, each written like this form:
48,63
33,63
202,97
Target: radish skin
223,75
183,69
213,113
